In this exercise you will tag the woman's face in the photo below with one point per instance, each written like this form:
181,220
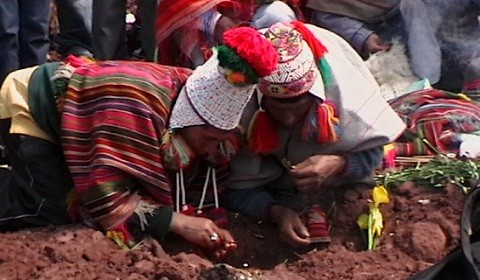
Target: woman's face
288,113
204,139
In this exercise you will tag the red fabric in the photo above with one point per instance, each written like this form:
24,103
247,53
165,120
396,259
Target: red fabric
317,225
472,86
262,135
173,14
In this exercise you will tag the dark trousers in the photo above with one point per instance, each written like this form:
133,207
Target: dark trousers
34,191
96,25
148,13
24,34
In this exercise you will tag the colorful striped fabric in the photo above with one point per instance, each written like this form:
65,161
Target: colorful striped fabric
185,15
114,116
437,117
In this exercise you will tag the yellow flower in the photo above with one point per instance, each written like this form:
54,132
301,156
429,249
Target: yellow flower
380,195
377,222
117,237
373,221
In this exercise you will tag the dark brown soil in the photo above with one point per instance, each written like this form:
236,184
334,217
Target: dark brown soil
421,226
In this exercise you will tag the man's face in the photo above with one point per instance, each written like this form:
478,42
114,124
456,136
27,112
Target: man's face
288,113
204,139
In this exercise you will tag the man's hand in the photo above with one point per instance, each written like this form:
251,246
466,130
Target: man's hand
374,44
291,229
203,232
311,173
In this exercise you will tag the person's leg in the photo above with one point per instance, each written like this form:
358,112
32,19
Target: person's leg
148,13
34,38
254,203
75,20
34,191
108,29
9,28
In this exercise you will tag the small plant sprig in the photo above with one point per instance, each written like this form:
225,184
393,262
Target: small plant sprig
438,172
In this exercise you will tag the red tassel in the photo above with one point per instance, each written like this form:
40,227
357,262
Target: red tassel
315,45
262,134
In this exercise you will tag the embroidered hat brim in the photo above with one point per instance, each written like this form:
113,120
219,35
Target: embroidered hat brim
294,77
318,87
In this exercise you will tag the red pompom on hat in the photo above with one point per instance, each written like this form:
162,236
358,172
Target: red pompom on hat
253,47
217,91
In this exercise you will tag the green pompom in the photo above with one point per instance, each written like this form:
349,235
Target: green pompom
228,58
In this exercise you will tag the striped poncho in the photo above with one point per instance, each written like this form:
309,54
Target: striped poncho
113,120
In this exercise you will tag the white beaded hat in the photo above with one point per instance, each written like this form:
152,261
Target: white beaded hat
218,91
208,98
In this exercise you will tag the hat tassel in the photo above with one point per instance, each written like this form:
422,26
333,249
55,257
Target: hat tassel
262,133
326,71
329,130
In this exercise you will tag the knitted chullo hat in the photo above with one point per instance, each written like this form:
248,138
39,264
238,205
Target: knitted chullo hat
297,72
302,69
217,92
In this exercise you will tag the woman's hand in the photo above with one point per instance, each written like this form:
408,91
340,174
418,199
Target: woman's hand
291,229
203,232
311,173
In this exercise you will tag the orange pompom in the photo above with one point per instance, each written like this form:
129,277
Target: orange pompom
236,78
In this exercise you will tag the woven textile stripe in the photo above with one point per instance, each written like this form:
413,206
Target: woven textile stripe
436,116
112,125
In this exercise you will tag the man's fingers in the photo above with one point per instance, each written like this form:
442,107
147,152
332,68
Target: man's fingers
220,253
296,241
294,235
301,230
302,172
211,240
225,236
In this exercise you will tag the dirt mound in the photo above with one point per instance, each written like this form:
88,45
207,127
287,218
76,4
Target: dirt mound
421,226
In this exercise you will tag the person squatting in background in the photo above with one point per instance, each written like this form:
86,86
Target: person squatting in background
441,36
